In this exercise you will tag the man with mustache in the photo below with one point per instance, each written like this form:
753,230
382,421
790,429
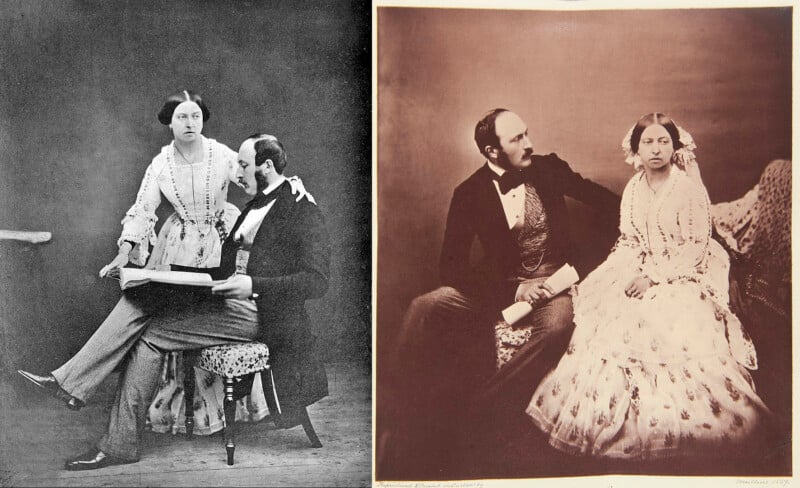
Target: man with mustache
514,207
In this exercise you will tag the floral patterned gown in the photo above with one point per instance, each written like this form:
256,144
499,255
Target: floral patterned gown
664,374
191,236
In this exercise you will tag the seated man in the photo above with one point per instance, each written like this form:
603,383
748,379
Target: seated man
277,256
514,206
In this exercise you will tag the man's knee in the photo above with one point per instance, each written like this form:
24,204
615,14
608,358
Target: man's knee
430,318
432,303
438,297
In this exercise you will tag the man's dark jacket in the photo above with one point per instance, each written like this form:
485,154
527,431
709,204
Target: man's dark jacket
476,211
289,264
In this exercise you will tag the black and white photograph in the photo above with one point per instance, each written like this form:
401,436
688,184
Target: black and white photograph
583,223
185,243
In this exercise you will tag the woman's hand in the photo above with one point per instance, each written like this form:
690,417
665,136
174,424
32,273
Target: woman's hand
532,291
300,190
237,286
638,286
119,262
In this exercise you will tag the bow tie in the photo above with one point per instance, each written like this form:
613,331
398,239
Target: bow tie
510,179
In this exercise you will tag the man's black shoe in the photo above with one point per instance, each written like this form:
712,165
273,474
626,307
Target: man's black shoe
94,459
50,385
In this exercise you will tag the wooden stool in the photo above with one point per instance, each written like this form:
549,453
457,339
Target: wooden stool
234,362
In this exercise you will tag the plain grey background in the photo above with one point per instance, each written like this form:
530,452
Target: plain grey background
80,86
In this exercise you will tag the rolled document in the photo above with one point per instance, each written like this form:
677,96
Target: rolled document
559,281
562,279
515,312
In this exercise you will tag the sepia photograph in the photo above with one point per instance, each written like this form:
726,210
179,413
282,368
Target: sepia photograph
185,243
583,231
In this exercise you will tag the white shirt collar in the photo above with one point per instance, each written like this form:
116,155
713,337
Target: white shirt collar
274,184
252,221
513,202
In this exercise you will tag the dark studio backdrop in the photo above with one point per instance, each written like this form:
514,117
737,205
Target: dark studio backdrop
82,83
579,79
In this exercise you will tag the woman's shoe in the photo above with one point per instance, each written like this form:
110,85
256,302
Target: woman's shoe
50,385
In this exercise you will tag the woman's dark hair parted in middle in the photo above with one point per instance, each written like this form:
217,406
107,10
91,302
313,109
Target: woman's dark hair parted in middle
655,118
165,114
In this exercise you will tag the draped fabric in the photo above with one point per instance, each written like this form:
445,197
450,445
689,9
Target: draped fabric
166,413
757,230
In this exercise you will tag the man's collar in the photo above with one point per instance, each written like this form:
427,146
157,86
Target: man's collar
265,196
506,179
495,168
275,184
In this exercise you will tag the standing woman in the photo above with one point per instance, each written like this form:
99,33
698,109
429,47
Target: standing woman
193,174
657,364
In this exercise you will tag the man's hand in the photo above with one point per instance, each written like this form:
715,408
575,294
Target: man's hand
533,291
300,190
638,286
237,286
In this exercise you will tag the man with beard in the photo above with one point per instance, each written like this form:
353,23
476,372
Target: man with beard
276,256
514,205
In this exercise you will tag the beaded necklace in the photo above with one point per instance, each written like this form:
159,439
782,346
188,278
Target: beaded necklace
207,218
639,233
708,237
663,198
659,201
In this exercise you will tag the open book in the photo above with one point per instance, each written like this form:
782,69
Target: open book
559,281
131,277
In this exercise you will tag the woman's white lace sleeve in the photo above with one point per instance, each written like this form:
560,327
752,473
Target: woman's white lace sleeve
139,223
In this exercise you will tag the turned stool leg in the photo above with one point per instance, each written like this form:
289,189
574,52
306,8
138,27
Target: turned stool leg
230,417
188,392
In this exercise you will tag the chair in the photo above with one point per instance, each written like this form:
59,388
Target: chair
235,362
509,339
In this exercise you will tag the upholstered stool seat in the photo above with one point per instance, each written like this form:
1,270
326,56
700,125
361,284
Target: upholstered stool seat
234,362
